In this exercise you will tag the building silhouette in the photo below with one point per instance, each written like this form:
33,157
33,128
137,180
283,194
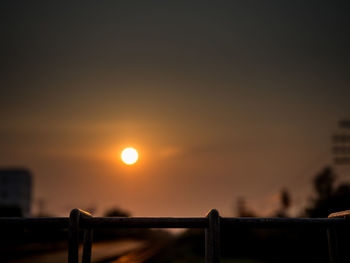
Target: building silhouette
15,192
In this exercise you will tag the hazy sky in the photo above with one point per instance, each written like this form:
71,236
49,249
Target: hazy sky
221,98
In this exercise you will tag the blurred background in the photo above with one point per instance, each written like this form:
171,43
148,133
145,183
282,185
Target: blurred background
242,106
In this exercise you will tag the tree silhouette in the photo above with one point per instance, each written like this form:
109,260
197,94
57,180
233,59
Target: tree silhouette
324,182
242,210
285,203
329,199
117,212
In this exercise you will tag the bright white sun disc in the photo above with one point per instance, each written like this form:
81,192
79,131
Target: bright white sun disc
129,156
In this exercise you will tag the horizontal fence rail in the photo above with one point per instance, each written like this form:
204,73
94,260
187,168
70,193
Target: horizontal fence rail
212,224
171,222
42,222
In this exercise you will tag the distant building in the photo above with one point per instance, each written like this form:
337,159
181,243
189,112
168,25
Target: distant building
16,190
341,143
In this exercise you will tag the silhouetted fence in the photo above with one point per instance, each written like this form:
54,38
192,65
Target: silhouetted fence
212,223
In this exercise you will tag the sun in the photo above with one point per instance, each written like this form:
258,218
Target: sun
129,156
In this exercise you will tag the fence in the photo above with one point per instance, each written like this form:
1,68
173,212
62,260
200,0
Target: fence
212,223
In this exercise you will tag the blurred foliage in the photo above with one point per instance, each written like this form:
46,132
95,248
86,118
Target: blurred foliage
329,198
115,211
249,245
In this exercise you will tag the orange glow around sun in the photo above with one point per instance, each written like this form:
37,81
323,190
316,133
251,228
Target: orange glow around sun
129,156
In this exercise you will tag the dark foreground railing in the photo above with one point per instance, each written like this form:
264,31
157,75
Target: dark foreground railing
212,223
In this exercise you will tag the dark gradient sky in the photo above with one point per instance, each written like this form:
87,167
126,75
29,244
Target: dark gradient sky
222,99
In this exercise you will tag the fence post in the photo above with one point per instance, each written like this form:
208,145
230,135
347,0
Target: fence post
87,243
212,238
73,236
333,245
333,240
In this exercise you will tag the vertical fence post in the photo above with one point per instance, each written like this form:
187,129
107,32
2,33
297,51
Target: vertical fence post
76,215
335,255
73,236
87,243
87,246
333,245
212,238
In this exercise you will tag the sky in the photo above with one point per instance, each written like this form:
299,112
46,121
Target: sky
222,99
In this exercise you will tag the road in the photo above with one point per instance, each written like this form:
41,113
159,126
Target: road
100,252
